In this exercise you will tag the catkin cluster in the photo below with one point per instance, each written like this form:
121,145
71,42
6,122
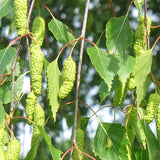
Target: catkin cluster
30,102
13,150
39,119
158,126
152,107
120,94
139,46
20,11
36,71
68,78
37,55
2,154
38,30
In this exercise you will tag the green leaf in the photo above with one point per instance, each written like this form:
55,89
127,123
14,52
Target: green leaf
5,91
53,79
84,123
33,151
2,114
104,92
60,31
119,35
6,57
54,152
117,134
143,68
137,127
151,141
139,153
105,64
127,63
5,7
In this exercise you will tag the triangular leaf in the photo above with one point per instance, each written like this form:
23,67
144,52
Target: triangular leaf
60,31
33,151
119,35
5,7
84,123
105,64
53,78
127,63
117,135
143,68
54,152
6,91
6,57
104,92
151,140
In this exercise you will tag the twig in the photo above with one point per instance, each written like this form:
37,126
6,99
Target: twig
28,50
67,152
29,13
155,42
145,18
130,6
13,78
112,8
79,73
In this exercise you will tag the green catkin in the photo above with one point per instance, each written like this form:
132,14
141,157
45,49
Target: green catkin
36,71
30,102
20,11
68,78
13,150
158,126
80,144
152,107
140,36
120,94
2,132
2,154
38,30
39,119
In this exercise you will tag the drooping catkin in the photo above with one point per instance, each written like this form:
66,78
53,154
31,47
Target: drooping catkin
20,11
68,78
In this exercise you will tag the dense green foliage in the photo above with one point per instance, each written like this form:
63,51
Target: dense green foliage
118,62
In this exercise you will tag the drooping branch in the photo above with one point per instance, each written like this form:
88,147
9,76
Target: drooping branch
79,73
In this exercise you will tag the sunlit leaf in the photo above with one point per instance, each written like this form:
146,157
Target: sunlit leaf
5,7
53,79
143,68
127,63
6,57
117,134
119,35
60,31
105,64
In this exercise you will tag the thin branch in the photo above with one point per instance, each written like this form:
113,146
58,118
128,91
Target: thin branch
13,78
145,19
79,73
112,8
28,50
155,42
130,6
29,13
67,152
